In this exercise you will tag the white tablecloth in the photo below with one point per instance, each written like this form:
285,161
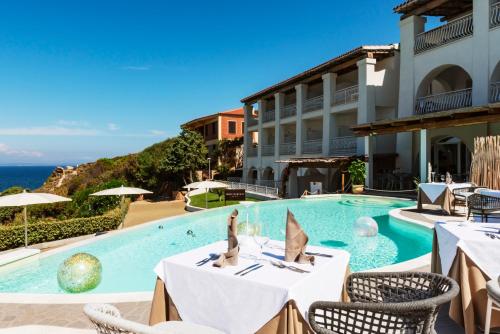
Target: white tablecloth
471,238
488,192
217,298
435,189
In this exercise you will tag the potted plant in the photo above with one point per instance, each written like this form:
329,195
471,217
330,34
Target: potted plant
357,172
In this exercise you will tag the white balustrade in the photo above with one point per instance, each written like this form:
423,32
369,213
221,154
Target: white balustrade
343,146
346,95
268,116
252,151
267,150
314,103
254,188
444,101
495,14
289,111
312,146
288,148
252,121
450,32
495,92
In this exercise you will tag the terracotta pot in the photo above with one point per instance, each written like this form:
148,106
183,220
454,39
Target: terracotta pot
357,188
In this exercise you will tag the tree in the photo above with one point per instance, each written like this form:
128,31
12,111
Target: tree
230,152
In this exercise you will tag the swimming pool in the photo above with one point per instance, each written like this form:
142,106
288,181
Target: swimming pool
128,258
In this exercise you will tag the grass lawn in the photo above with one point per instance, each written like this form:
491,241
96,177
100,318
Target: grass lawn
213,201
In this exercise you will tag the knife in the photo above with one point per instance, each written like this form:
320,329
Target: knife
319,254
247,268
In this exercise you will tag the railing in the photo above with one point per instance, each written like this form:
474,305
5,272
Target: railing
252,121
312,146
254,188
268,116
452,31
314,103
269,183
495,92
346,95
289,111
252,151
343,146
495,14
267,150
444,101
288,148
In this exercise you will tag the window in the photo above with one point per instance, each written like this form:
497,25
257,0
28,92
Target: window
231,127
242,127
214,128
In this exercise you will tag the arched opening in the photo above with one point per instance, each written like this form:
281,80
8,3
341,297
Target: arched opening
252,175
444,88
268,177
495,84
450,154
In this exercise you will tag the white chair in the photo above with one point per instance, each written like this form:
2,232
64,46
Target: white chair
107,320
493,288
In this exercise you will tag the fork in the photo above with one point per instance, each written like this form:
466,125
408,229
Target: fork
281,265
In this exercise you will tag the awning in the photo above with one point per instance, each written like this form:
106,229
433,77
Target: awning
441,119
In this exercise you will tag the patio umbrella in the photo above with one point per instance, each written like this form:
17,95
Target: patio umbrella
25,199
122,192
206,185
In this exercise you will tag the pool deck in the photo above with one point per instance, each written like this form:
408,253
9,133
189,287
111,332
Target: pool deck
71,319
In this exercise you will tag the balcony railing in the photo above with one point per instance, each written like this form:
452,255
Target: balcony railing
289,111
268,116
288,148
267,150
346,95
314,103
252,151
252,121
343,146
495,92
312,146
444,101
452,31
495,14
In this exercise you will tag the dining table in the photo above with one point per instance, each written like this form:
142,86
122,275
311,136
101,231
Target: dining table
261,294
470,254
438,193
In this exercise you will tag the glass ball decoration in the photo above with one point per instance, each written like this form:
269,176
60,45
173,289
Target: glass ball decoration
79,273
366,227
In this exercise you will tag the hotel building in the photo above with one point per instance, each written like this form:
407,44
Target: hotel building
398,106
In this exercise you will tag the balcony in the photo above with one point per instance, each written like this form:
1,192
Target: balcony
252,121
288,148
289,111
495,15
495,92
314,103
268,116
444,101
252,151
312,146
267,150
450,32
346,95
343,146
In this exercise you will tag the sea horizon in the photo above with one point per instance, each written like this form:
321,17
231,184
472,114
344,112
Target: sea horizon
26,176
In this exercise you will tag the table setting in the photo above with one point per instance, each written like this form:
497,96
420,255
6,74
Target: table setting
438,193
259,285
469,253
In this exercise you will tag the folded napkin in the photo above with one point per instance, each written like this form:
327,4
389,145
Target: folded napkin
231,256
295,242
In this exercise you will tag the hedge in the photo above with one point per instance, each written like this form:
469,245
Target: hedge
13,236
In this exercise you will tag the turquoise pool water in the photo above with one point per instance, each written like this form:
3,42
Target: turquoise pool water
128,258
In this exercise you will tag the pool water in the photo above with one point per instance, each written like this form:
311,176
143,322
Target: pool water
128,258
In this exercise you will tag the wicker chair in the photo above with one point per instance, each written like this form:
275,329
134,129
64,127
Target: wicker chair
483,205
460,195
405,302
107,320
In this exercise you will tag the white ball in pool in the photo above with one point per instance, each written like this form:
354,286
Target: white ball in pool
366,227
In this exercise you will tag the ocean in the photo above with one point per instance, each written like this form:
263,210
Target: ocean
29,177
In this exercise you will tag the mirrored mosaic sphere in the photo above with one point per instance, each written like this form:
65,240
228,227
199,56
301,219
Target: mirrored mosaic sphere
79,273
366,227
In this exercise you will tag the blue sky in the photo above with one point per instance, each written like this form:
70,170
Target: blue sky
80,80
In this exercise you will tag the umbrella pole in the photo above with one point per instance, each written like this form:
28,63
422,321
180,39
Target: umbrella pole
25,214
122,216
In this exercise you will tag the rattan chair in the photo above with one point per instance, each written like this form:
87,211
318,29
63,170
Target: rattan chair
107,320
405,302
461,195
483,205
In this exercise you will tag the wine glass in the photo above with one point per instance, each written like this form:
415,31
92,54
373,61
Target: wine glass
261,236
442,177
433,176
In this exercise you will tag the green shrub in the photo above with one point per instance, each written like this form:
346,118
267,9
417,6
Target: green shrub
357,170
7,214
13,236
